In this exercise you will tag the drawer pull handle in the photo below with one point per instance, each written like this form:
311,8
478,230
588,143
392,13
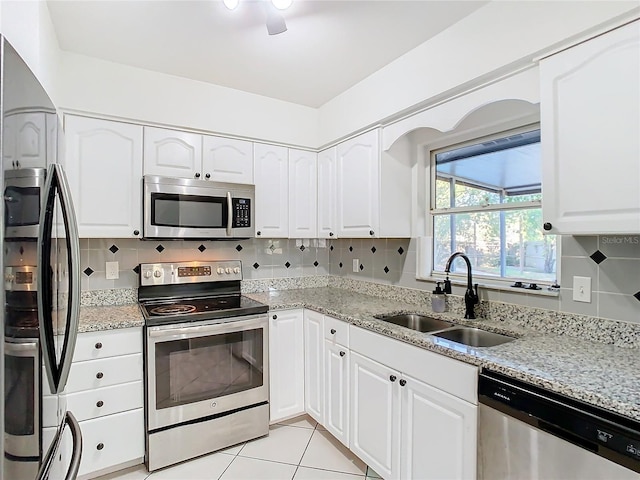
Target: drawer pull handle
99,375
342,354
100,403
403,383
275,317
333,331
100,446
98,345
392,378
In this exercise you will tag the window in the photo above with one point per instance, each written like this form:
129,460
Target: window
487,204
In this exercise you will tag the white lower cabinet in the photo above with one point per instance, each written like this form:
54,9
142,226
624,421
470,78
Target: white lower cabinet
336,413
314,365
286,364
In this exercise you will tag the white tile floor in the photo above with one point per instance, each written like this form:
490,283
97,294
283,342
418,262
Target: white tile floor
297,449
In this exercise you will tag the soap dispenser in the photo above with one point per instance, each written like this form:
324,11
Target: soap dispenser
438,302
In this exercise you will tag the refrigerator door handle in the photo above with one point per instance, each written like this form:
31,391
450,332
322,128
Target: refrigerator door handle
74,464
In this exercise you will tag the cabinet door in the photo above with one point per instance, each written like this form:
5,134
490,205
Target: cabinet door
590,121
31,140
337,391
303,199
271,170
438,433
9,142
172,153
103,162
358,186
314,365
327,193
286,364
375,415
227,159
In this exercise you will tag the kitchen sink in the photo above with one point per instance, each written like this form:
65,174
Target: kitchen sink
415,321
474,337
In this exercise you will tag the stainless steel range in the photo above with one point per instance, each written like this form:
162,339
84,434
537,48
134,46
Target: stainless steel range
206,357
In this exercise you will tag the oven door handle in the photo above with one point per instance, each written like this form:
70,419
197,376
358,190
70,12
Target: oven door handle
224,327
229,214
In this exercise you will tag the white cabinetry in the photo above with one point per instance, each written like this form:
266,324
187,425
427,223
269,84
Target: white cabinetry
590,119
25,140
413,412
286,364
303,198
271,173
336,365
373,196
327,193
227,159
172,153
314,365
105,393
103,163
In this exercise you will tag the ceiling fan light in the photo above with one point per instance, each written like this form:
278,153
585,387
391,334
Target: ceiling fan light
282,4
276,24
231,4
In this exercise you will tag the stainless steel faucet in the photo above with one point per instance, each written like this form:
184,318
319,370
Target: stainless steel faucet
470,296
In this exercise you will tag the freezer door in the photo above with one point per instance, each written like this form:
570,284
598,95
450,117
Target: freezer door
48,462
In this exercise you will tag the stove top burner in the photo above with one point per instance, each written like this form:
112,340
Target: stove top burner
172,309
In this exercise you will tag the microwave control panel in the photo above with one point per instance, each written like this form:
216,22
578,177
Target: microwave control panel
241,212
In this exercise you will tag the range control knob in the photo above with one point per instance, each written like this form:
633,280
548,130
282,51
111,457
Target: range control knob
157,273
147,274
236,270
227,270
220,270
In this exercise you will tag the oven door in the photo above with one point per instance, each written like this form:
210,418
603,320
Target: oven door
197,370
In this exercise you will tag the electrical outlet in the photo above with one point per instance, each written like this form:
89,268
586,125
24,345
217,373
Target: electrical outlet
356,264
582,289
112,270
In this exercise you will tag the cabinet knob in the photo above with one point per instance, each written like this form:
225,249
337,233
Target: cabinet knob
258,233
100,446
392,378
333,331
197,175
208,175
98,345
342,354
18,163
136,232
547,226
331,234
99,375
371,232
275,317
403,383
99,404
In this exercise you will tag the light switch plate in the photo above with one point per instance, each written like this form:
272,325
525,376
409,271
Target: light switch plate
582,289
112,270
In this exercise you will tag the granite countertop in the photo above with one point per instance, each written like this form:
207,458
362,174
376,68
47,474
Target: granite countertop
603,375
109,317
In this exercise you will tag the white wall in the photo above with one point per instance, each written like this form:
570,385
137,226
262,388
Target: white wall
497,37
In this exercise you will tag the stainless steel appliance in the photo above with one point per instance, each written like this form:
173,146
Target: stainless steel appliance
22,199
206,357
528,432
41,300
185,208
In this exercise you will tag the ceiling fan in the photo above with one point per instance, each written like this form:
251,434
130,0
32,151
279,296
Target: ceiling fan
275,21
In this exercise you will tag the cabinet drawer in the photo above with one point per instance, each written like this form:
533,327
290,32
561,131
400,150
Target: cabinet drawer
336,330
104,372
109,343
105,401
112,440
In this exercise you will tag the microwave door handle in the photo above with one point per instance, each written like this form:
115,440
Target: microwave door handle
73,265
47,334
229,214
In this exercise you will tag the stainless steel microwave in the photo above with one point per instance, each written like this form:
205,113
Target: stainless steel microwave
182,208
22,200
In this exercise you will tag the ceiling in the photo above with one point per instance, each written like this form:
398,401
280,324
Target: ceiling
330,45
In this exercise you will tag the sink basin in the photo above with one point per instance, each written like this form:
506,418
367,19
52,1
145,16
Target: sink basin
474,337
418,322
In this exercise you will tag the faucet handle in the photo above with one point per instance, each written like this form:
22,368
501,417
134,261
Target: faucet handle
477,299
447,286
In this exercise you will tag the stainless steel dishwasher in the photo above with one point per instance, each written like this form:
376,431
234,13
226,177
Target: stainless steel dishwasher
527,432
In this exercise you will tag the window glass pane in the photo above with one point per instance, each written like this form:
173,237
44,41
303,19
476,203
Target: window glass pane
508,244
443,193
468,195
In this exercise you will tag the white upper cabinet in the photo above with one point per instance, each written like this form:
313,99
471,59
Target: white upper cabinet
271,174
25,140
358,186
327,193
227,159
103,163
303,198
172,153
590,119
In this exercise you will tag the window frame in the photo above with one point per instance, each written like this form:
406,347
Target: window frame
432,212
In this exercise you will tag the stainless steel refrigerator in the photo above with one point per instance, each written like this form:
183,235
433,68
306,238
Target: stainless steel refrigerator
41,295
